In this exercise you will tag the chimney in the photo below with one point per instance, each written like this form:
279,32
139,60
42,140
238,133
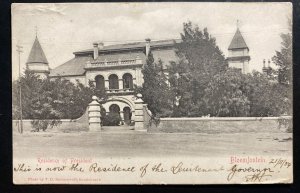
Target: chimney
264,62
148,40
96,50
100,45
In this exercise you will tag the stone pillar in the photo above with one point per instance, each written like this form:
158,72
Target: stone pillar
139,114
94,115
122,117
121,84
106,84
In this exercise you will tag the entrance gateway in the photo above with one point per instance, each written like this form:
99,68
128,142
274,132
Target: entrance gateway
120,111
128,112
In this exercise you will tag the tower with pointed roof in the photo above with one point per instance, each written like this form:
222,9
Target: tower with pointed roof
238,53
37,61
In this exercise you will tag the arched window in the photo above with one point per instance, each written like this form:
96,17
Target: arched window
127,81
113,82
114,109
99,82
114,115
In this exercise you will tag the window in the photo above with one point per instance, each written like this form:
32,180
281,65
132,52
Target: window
113,82
99,82
127,81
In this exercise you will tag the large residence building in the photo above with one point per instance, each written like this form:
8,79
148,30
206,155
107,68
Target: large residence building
117,68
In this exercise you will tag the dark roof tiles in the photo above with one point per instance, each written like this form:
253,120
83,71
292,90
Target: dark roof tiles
133,45
37,54
238,41
75,66
72,67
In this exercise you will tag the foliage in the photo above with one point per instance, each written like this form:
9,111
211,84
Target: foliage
111,119
284,59
199,59
232,93
37,102
201,84
156,91
225,95
44,124
268,98
47,101
198,51
286,123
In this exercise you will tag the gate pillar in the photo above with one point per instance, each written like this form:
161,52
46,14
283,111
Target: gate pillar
94,115
139,114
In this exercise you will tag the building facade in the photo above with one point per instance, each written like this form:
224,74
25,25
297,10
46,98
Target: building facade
117,69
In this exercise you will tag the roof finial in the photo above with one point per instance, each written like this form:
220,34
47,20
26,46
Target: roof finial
36,31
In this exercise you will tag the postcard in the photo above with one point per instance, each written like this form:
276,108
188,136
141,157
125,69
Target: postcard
152,93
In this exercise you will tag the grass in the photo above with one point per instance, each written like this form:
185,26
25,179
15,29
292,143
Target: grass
139,144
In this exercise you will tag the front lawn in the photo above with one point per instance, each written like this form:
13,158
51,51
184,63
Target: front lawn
137,144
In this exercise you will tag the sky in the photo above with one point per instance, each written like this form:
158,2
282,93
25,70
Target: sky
65,28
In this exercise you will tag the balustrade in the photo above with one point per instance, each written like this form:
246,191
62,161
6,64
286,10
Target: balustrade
94,64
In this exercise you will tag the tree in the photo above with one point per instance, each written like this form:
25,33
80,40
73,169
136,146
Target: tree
201,83
47,101
37,103
199,60
234,94
225,95
267,97
155,90
284,59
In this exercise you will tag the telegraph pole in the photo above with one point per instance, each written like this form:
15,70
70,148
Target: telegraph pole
19,50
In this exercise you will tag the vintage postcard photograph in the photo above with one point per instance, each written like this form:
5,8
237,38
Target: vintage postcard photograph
152,93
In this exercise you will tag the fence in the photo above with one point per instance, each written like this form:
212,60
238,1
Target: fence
222,124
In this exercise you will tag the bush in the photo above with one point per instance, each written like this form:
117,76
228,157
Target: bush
44,124
111,119
286,123
47,101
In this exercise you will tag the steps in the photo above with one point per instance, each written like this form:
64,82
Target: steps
122,128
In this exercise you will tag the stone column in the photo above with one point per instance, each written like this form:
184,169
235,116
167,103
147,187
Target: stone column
94,115
121,84
139,114
106,84
122,117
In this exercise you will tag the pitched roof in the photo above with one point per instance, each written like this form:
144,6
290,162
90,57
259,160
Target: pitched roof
153,44
37,54
237,41
73,67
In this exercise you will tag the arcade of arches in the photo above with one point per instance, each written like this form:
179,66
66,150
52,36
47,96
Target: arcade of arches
121,108
125,114
114,83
